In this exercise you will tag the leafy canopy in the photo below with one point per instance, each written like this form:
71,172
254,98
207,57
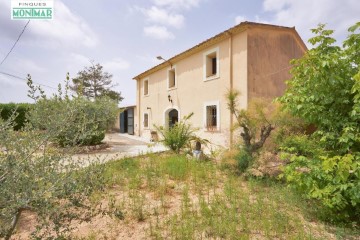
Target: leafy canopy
85,121
325,91
93,83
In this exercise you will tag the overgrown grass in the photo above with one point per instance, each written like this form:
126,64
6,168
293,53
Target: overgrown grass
180,198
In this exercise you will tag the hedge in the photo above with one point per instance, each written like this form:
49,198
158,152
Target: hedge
7,109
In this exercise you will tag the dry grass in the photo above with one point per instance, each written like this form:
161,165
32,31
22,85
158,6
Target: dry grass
171,197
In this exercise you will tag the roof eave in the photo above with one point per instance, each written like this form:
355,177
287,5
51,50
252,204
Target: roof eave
211,41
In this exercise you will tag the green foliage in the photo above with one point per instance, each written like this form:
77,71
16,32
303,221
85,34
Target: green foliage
180,136
244,160
37,178
256,122
95,117
19,109
325,92
93,83
334,181
301,145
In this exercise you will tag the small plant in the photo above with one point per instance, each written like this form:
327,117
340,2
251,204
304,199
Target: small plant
179,136
244,160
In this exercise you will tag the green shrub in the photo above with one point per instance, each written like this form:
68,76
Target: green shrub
51,184
331,179
179,136
301,145
244,160
325,92
20,109
95,118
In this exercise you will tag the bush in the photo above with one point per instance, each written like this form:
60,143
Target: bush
244,160
180,136
20,110
331,179
86,121
50,184
325,92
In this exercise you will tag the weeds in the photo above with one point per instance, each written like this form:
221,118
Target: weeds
177,198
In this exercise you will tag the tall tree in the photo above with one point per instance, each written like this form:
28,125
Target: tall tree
94,82
325,91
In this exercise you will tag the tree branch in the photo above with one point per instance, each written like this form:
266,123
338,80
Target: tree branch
15,221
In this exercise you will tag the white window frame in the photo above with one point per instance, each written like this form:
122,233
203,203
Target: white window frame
168,78
146,80
148,126
212,103
205,56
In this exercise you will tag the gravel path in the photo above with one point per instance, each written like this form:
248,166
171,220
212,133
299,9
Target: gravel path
121,146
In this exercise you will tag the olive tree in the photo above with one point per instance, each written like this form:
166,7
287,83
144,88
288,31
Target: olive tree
37,178
95,116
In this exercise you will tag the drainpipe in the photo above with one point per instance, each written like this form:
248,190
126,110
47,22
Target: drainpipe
231,87
139,106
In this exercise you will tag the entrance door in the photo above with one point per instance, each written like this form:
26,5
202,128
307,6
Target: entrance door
124,122
173,117
130,121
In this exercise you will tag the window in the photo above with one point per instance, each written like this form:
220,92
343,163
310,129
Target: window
146,120
171,78
212,116
211,64
146,87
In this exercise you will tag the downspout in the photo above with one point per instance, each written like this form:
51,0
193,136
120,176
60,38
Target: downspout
138,105
231,87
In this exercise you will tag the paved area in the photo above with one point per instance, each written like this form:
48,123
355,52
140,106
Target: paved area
121,146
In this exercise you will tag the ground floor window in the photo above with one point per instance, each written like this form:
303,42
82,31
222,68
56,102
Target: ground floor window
146,120
211,115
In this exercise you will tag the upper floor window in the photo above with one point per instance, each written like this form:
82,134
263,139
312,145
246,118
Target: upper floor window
146,87
211,64
172,78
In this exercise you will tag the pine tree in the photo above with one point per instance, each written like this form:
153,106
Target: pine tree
93,83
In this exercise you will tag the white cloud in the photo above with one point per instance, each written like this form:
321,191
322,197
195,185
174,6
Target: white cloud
276,5
78,59
30,66
162,16
115,65
6,81
177,4
65,28
239,19
158,32
307,14
257,19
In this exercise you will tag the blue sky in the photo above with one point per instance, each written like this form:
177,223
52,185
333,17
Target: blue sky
126,36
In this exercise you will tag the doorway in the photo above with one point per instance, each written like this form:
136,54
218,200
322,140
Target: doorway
173,117
127,121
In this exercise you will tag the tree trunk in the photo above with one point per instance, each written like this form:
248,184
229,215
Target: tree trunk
13,224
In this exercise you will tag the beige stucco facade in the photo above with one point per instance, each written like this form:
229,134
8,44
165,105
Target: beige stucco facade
252,58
